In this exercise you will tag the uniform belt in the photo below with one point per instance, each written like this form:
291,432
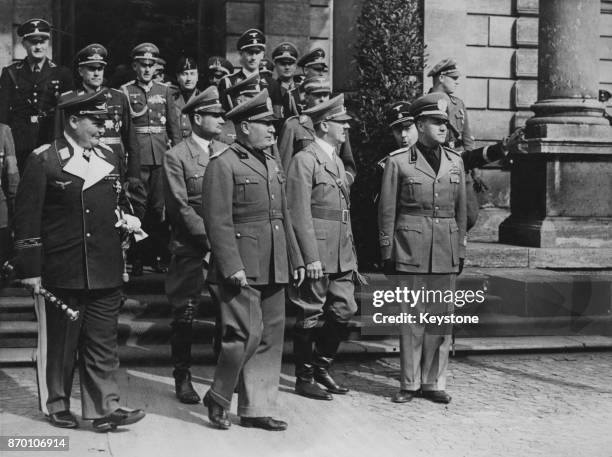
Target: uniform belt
150,129
330,214
110,140
257,216
428,212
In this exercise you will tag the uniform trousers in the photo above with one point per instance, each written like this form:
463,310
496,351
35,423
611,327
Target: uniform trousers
331,297
424,348
184,282
253,324
92,338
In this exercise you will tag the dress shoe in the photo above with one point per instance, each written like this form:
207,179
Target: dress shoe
403,396
217,415
267,423
437,396
137,268
118,417
322,376
310,389
185,391
63,419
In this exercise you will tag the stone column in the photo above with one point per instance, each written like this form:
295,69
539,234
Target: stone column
561,191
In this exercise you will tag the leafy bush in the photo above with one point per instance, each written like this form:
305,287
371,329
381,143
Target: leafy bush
390,63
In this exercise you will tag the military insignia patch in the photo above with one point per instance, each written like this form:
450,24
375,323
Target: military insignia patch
64,154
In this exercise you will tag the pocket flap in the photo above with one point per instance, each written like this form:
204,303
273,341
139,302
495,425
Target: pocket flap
410,228
245,234
246,179
454,177
453,226
413,180
321,234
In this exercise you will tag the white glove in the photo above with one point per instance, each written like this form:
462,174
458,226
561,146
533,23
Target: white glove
132,224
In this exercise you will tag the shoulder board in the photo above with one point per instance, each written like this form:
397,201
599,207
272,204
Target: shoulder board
18,65
457,153
382,162
304,119
218,153
40,149
129,83
67,92
398,151
105,146
113,90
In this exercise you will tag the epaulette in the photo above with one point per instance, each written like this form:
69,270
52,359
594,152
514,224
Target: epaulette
105,146
67,92
457,153
112,89
382,162
398,151
218,153
129,83
18,65
40,149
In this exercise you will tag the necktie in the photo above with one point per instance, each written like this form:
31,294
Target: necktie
87,154
210,150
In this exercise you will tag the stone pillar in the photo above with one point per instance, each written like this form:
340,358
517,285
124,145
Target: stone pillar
561,191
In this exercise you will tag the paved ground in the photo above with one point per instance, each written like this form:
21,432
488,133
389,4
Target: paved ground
503,405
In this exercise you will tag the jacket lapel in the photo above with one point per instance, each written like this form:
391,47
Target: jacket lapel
323,158
445,163
98,168
252,162
197,152
422,164
76,164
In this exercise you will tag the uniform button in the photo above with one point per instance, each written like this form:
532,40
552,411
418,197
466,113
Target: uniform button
87,211
276,227
195,176
437,207
437,221
88,235
247,181
436,194
237,235
271,196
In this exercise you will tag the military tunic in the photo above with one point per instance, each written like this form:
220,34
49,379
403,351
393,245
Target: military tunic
65,232
265,82
249,228
9,179
179,103
27,103
298,132
422,223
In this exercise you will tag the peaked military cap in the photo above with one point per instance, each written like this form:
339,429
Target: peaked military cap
316,85
252,38
248,86
84,104
399,113
446,67
285,51
146,51
314,57
265,67
434,104
220,64
256,109
206,102
330,110
34,27
186,63
161,63
92,53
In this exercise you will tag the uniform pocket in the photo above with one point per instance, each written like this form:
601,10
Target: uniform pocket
411,188
246,187
409,244
194,183
248,245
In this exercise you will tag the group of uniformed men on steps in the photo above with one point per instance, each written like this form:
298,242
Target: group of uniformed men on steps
256,219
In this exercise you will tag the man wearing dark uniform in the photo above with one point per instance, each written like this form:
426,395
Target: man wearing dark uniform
187,80
422,237
184,167
29,90
319,202
254,250
251,45
156,124
298,131
9,179
285,57
69,206
313,65
218,67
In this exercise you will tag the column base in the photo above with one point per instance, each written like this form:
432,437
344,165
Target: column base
558,232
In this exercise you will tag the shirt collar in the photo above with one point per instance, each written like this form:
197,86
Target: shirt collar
203,143
249,73
328,148
39,65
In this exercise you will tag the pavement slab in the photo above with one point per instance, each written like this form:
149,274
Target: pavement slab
503,405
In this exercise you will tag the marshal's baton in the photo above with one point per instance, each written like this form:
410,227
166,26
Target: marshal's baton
8,270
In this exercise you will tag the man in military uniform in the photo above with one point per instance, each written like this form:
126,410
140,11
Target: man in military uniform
422,223
218,68
299,131
253,252
187,80
29,90
266,68
156,124
184,167
118,133
285,61
9,179
251,45
69,212
318,198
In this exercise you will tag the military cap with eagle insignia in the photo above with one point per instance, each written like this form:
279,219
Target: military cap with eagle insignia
84,104
248,86
316,85
256,109
34,27
330,110
434,104
314,57
252,38
92,54
206,102
146,52
399,113
446,67
221,65
285,51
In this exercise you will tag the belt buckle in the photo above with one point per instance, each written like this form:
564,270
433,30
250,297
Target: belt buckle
345,216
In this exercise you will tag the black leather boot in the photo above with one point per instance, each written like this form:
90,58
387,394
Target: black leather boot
302,352
180,343
184,388
327,344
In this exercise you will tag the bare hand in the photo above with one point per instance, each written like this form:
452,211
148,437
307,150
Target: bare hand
314,270
298,276
32,284
239,279
516,143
